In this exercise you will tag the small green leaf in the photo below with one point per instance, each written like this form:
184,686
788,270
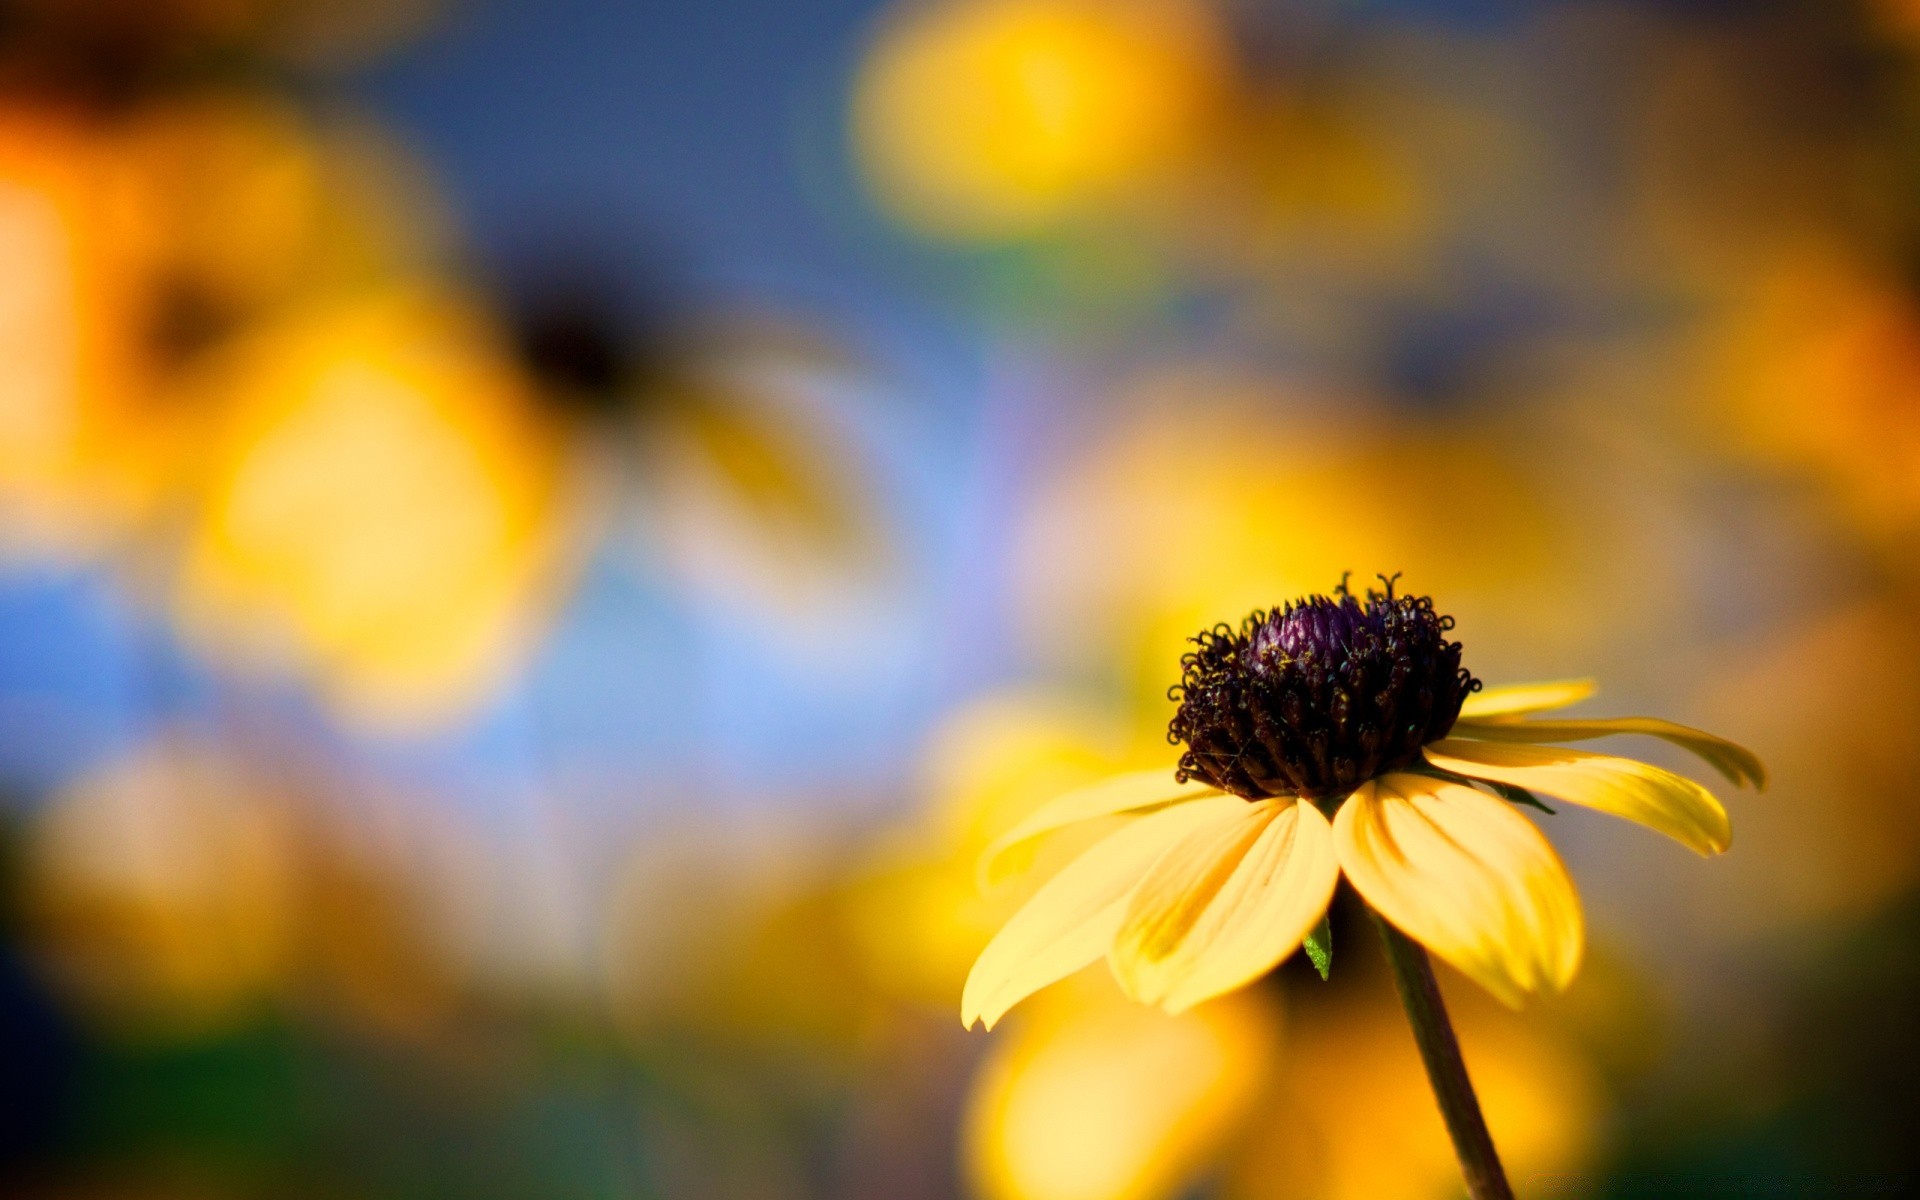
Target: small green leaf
1319,946
1517,795
1506,791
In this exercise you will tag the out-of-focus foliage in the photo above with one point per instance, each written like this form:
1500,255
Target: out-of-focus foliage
183,890
120,41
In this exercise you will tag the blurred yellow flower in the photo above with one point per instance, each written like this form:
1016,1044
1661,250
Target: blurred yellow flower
136,241
181,887
1334,194
1122,556
1816,367
1091,1098
249,206
1364,712
1850,842
745,489
986,119
383,506
1354,1119
164,887
81,445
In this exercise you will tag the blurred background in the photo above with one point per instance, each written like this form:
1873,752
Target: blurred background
538,541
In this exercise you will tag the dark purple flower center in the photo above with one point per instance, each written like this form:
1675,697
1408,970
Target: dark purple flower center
1318,697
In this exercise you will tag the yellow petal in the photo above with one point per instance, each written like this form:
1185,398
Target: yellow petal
1226,905
1468,877
1071,920
1504,703
1659,799
1740,765
1134,791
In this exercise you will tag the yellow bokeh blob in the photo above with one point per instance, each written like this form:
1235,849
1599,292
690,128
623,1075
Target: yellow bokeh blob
249,205
1816,367
79,443
1210,500
1090,1097
164,888
1357,1119
131,244
1849,845
985,119
183,887
747,491
382,507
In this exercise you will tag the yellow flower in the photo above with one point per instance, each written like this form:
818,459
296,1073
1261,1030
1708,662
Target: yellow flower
987,119
1360,712
385,507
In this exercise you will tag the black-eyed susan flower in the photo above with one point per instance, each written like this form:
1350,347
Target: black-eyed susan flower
1338,736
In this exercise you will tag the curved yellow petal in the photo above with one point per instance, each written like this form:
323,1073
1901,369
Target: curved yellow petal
1741,766
1134,791
1517,700
1071,919
1659,799
1468,877
1226,905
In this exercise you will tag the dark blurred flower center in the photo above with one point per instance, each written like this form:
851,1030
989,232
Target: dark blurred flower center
1318,697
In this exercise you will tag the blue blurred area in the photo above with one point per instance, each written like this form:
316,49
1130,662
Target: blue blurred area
80,667
707,142
709,131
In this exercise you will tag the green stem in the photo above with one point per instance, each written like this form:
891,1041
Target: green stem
1446,1070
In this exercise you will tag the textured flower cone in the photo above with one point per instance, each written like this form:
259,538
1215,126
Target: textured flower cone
1335,737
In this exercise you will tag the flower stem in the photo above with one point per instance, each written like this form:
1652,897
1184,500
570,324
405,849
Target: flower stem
1446,1070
